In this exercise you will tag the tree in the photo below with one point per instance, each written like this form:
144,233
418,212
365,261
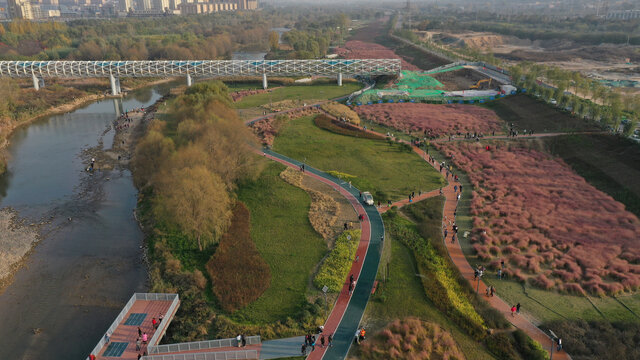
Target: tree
151,152
197,202
274,39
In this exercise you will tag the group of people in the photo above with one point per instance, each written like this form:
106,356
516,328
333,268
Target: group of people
143,337
310,341
360,335
242,340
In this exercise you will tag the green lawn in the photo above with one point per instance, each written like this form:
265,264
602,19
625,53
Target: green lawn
298,92
284,237
404,296
386,170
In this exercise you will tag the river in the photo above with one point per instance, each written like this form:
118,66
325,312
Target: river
90,259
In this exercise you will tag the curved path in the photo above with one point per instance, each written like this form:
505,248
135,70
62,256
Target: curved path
348,310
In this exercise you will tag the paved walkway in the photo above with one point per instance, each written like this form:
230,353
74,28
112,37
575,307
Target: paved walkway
281,348
348,310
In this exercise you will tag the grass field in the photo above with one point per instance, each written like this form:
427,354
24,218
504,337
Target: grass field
528,113
609,163
299,92
387,170
284,237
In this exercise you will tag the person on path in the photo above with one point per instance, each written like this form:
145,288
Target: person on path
160,317
513,310
139,331
154,323
313,343
460,187
244,340
488,290
145,338
455,188
239,340
303,350
322,341
362,333
518,308
446,232
559,344
330,340
351,278
500,274
107,338
389,203
453,238
139,356
357,338
493,291
458,197
350,288
502,263
138,343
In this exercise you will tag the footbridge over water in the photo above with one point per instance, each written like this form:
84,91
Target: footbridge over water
114,70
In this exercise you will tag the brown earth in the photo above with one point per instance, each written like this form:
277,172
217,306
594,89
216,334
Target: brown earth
462,79
16,240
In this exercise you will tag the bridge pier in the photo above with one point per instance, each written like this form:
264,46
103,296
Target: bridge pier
115,85
36,82
339,79
264,81
189,80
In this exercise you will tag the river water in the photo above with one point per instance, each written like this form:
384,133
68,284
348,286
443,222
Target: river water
89,260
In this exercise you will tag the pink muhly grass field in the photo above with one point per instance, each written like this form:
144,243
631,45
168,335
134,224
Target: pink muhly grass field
550,226
436,120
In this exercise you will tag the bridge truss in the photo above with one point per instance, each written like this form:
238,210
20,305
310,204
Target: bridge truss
200,68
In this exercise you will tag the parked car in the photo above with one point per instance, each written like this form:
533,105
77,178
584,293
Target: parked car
367,198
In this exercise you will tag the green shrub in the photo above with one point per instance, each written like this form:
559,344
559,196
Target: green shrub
529,348
335,268
501,345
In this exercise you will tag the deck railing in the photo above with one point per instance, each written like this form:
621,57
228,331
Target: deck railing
226,355
200,345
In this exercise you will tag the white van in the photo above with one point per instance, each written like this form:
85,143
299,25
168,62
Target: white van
367,198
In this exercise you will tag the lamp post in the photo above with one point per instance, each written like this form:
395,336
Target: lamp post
324,291
553,338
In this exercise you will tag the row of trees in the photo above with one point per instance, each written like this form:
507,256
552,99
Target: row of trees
194,171
210,36
585,97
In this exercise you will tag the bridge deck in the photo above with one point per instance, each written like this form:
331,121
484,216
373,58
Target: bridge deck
124,337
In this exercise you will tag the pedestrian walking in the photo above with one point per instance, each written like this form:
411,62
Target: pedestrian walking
559,344
145,338
138,343
446,232
313,343
243,340
303,350
139,331
502,263
493,291
330,340
239,340
513,310
460,187
322,341
154,323
350,288
362,333
357,337
351,278
455,188
518,308
500,274
107,338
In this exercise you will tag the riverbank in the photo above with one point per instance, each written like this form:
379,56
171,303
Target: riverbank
18,236
8,127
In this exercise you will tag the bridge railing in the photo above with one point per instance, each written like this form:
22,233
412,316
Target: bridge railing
200,345
175,302
224,355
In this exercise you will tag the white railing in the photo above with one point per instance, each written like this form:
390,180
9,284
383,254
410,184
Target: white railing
114,325
168,316
125,310
226,355
200,345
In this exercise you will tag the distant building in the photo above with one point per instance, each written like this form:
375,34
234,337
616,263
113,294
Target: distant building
20,9
623,15
207,7
125,5
160,5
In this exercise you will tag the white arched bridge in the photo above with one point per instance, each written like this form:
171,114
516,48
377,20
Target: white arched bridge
114,70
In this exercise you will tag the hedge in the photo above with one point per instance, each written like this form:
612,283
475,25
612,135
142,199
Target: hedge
343,128
335,268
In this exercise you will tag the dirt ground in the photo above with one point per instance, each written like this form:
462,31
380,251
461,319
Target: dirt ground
16,239
600,61
528,113
462,79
